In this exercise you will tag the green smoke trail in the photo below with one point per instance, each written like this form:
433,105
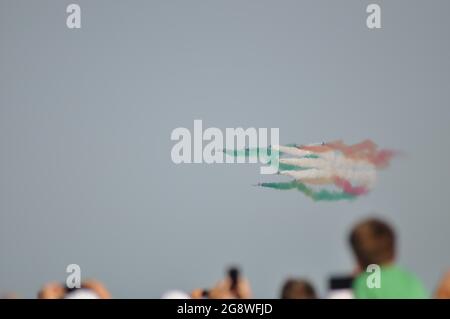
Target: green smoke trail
311,156
247,152
273,157
252,152
322,195
273,160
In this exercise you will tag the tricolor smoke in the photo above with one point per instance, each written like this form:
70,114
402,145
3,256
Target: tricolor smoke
328,171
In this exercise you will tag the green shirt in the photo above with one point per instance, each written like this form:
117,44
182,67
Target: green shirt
395,282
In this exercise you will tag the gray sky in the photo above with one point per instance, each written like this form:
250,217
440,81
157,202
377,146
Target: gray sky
86,116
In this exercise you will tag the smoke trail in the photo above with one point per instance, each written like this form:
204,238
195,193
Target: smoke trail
321,195
350,168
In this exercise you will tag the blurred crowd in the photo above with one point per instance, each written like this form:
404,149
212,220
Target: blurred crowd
377,275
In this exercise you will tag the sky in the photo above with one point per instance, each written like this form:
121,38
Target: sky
86,117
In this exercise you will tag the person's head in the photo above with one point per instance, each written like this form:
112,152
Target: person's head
52,290
443,290
175,294
199,293
373,242
97,288
298,289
